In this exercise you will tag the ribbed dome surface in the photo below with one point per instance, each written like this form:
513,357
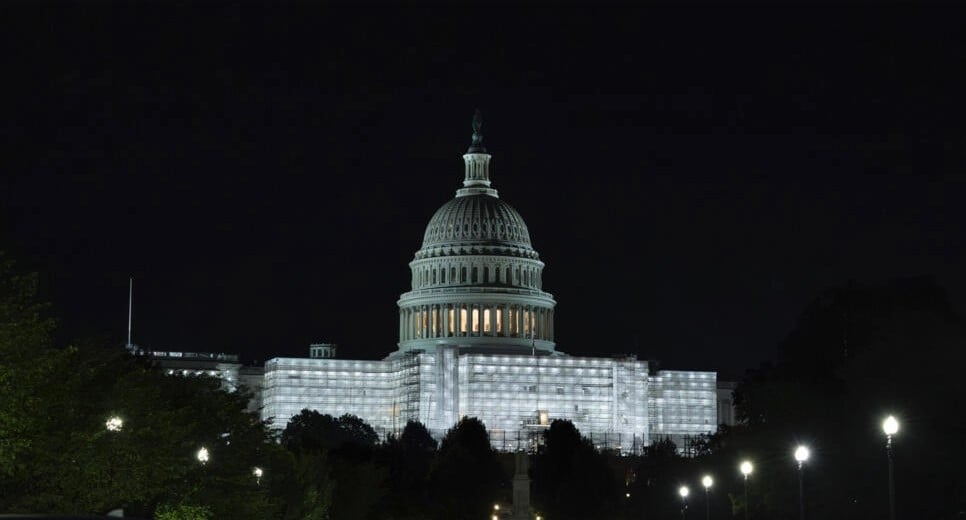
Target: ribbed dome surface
476,219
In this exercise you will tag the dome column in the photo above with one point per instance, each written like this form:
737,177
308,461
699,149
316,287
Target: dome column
445,319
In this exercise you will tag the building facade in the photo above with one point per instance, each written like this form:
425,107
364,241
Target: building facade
476,339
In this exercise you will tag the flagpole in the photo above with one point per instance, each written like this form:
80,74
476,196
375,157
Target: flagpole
130,305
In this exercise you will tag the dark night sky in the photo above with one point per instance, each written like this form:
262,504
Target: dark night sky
691,178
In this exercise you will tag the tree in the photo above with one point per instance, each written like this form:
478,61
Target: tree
466,477
352,480
313,431
25,365
408,460
858,353
571,479
416,440
58,456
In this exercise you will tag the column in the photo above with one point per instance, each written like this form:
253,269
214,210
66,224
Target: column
550,327
424,321
434,321
444,319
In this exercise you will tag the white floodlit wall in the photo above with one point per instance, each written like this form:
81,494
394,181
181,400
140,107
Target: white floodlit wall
516,396
682,405
612,401
332,386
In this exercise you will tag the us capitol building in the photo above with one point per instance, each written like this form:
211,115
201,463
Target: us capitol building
476,338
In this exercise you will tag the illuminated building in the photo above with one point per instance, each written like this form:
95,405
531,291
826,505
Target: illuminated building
476,339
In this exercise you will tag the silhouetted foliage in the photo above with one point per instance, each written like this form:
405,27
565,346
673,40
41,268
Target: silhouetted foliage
660,450
571,480
466,477
857,354
352,483
407,459
57,456
313,431
416,440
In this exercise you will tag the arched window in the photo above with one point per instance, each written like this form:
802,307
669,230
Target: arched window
508,279
452,274
434,276
486,321
463,274
463,321
474,274
486,274
442,275
476,320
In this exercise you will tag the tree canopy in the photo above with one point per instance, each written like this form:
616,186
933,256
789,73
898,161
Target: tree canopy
466,477
572,479
861,352
57,454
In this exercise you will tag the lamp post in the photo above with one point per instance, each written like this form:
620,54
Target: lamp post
707,481
746,469
113,424
890,426
683,491
258,474
801,455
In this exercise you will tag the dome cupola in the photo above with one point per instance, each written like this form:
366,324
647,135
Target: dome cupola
476,280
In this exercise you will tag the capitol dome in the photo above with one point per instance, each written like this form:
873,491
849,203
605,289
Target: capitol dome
482,222
476,279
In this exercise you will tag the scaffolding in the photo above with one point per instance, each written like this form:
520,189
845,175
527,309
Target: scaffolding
614,402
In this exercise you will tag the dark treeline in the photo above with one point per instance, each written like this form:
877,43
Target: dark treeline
857,354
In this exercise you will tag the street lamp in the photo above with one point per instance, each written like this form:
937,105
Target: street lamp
684,491
707,481
801,455
258,474
746,469
202,455
114,424
891,426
